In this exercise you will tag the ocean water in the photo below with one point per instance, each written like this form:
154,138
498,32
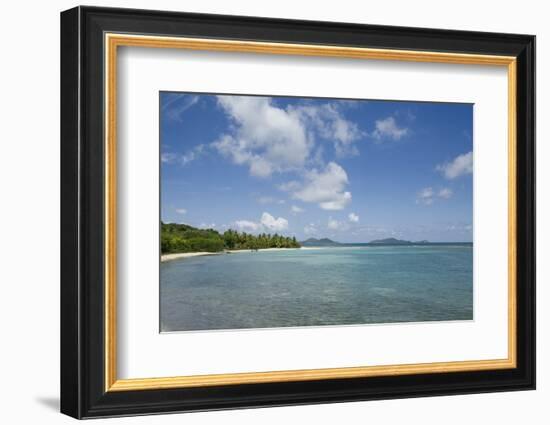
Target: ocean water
316,287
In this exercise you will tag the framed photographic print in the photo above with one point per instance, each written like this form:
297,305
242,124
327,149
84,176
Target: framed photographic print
261,212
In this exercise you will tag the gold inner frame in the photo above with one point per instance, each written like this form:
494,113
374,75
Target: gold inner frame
113,41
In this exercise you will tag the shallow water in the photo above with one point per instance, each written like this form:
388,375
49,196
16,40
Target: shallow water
314,287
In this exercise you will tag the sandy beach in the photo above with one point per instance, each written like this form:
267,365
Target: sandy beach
175,256
254,250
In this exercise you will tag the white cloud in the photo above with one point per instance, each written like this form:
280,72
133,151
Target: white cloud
271,139
425,196
267,222
338,204
168,158
192,155
459,227
326,188
177,104
445,193
248,226
388,129
333,224
329,123
337,225
289,186
354,218
189,156
296,210
207,226
265,137
310,229
274,224
461,165
181,210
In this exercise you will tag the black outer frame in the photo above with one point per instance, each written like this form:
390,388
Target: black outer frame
82,217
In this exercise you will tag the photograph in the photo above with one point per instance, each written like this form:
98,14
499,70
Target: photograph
281,212
286,210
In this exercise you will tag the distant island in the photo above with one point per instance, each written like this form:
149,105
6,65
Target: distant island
325,242
393,241
319,242
182,238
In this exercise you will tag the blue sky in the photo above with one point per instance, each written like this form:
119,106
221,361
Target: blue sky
350,170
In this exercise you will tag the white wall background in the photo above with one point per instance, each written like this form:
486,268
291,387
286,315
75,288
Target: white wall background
29,225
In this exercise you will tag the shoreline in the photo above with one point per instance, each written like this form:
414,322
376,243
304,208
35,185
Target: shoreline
178,255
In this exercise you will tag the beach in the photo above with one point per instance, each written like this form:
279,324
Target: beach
175,256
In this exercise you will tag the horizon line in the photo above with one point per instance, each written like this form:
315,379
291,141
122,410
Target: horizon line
425,241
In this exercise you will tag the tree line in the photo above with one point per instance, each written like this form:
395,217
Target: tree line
184,238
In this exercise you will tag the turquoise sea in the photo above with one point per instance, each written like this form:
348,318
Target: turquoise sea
316,287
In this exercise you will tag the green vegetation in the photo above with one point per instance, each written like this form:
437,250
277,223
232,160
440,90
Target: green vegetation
184,238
